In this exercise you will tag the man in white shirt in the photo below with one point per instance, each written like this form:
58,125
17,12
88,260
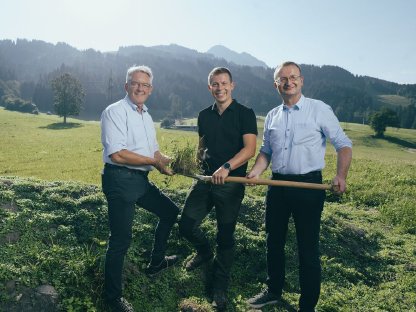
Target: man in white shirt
130,152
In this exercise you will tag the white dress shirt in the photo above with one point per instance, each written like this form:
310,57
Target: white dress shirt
123,127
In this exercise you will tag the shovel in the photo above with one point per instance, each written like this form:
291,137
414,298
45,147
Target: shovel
315,186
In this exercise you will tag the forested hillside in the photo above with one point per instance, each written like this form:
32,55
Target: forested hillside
180,85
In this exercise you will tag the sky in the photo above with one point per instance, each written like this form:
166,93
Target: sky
374,38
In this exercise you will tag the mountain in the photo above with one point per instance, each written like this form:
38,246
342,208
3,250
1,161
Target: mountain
234,57
180,83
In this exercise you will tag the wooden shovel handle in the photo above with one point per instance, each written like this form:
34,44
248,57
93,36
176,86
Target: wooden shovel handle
315,186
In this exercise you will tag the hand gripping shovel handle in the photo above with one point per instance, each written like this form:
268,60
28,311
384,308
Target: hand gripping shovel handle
315,186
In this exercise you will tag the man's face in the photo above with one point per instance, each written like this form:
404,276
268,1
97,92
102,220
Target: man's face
221,88
139,88
289,82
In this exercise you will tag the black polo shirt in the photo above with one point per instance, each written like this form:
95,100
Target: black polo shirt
223,135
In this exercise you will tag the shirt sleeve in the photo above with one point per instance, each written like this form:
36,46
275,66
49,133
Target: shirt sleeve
113,130
265,146
248,122
199,123
154,135
332,129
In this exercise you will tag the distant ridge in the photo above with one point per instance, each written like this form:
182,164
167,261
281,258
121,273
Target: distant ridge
27,67
234,57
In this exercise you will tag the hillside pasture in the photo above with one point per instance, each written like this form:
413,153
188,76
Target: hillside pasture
392,99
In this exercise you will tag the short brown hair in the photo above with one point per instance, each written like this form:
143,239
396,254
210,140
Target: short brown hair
217,71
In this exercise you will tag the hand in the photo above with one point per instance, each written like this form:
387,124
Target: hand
163,159
218,177
163,169
252,175
339,185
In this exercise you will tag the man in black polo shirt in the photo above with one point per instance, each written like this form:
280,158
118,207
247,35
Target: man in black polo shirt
227,140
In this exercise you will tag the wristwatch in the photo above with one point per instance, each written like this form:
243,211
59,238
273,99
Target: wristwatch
227,166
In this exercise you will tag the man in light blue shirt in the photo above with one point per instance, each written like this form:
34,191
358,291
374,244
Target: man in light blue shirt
130,152
294,142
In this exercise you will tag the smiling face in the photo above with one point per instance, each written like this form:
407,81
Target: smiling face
221,88
139,88
289,83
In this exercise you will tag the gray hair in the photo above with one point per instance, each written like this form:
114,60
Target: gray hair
284,64
141,68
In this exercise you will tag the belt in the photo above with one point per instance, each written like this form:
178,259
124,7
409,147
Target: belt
312,174
122,168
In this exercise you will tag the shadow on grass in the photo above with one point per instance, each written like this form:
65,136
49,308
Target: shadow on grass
353,251
373,141
61,125
400,142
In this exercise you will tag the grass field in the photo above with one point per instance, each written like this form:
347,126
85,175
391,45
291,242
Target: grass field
40,146
368,235
394,99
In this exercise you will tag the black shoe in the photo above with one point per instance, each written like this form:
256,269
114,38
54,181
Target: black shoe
120,305
262,299
198,260
167,262
219,300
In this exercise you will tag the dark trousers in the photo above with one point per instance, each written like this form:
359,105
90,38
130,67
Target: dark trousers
305,206
227,200
124,188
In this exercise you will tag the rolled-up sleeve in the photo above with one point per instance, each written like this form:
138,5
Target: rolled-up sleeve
113,130
332,129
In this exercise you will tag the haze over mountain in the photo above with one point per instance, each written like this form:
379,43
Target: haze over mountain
234,57
180,83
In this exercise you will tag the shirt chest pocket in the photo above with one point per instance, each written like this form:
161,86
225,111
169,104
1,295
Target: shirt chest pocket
305,135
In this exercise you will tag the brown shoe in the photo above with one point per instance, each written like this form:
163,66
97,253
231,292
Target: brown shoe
198,260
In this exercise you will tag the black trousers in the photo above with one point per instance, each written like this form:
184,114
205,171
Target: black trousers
124,188
226,199
305,206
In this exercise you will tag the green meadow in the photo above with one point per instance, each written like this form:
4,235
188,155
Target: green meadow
41,146
53,225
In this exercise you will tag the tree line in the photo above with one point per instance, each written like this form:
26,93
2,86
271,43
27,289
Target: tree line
27,69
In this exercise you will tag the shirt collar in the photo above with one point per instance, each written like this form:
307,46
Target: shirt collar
298,105
230,107
134,106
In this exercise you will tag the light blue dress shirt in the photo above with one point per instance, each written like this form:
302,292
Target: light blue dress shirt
123,127
295,137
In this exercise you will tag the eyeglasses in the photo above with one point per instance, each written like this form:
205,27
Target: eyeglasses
140,84
284,80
